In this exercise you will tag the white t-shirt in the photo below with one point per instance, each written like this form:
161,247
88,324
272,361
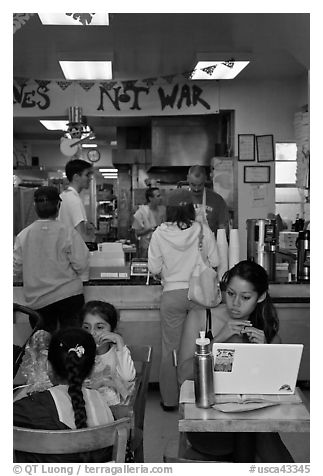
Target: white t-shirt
72,211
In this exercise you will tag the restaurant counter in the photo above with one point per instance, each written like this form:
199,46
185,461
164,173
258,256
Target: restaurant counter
138,305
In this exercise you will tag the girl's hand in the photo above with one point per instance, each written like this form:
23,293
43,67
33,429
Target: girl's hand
232,327
255,336
107,336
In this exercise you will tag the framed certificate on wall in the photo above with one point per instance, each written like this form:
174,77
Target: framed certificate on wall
246,147
265,148
257,174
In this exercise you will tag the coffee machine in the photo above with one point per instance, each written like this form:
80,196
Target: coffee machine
261,244
303,256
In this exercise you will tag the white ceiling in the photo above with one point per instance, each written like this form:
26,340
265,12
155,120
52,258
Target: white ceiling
153,45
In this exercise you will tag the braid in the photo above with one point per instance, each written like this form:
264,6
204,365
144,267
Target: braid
75,390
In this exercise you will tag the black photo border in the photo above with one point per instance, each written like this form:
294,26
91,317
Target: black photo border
258,140
245,171
253,148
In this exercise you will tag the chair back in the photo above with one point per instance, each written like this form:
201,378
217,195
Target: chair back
142,358
75,441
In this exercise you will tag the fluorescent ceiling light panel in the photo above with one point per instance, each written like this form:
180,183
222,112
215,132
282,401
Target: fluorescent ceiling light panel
221,71
89,145
55,125
109,170
95,19
87,69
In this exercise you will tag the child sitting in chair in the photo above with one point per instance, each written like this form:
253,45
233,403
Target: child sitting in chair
68,404
114,370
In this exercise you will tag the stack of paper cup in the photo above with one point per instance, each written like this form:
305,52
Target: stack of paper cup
234,251
223,251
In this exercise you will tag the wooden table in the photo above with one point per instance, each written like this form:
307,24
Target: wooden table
279,418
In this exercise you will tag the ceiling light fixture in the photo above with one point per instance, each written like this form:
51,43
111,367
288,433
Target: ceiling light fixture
76,19
89,145
55,125
218,69
86,70
108,170
220,65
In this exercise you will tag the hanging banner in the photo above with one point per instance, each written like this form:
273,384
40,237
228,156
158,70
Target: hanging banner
146,97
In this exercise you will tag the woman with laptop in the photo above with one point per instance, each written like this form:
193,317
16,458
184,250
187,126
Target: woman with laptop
247,316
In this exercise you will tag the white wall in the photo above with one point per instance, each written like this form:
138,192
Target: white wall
261,107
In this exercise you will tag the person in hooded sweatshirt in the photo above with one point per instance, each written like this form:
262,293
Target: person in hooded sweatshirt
172,253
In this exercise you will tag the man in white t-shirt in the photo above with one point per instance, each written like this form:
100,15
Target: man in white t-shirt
72,212
147,218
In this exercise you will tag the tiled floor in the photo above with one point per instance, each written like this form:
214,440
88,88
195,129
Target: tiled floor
161,426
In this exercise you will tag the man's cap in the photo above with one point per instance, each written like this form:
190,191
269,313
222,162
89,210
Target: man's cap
46,193
179,197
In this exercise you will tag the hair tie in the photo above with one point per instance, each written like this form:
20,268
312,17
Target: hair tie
78,349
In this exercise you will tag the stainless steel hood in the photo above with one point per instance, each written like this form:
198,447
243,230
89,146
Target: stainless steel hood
183,141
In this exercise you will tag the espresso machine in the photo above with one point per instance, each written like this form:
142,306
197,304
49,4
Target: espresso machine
261,244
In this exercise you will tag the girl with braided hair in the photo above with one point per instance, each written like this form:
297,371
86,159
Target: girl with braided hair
68,404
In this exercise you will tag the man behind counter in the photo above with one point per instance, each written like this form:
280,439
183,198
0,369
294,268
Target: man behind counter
210,207
72,212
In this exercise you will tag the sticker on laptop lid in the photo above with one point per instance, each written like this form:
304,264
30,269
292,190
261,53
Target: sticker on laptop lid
223,360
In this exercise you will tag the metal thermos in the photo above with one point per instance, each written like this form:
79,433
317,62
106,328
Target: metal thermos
303,255
203,373
261,244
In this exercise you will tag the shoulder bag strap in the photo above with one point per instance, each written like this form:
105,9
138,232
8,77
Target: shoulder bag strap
200,237
199,246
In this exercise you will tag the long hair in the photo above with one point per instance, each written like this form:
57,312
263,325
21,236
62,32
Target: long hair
103,309
182,215
264,316
72,353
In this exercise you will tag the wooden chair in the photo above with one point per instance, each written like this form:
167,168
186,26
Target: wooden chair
75,441
142,357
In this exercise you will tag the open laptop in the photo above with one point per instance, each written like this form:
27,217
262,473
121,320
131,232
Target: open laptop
256,368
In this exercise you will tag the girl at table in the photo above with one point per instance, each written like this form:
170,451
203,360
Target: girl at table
247,315
67,404
114,370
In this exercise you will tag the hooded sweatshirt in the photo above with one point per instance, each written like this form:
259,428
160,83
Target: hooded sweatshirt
173,253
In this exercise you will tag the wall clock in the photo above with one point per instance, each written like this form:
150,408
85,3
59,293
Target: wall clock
93,155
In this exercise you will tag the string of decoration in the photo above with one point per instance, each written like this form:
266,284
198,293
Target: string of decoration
229,64
64,84
108,85
20,19
87,85
209,69
126,84
83,18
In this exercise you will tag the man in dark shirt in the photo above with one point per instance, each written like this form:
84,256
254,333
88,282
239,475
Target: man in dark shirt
210,207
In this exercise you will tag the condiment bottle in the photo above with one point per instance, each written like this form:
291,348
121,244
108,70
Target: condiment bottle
203,373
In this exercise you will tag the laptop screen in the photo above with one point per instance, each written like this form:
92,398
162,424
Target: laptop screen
256,368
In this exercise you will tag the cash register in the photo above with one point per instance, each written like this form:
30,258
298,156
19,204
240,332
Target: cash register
108,262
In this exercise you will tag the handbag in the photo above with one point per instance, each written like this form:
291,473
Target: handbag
204,287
